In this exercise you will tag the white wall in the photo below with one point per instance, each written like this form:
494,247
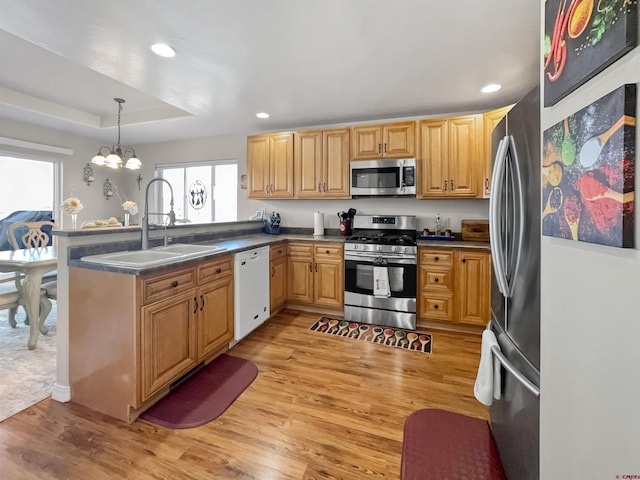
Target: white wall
96,206
590,336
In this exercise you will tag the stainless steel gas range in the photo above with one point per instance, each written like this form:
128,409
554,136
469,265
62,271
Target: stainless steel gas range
380,271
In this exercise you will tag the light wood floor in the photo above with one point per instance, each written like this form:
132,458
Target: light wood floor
321,408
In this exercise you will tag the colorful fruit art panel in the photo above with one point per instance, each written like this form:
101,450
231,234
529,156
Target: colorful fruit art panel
582,38
588,172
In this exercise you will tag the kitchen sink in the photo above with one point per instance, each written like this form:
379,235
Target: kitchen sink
190,249
154,256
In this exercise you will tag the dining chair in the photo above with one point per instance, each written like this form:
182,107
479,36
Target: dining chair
34,235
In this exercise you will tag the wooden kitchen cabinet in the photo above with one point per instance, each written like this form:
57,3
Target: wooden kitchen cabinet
389,140
489,122
215,309
473,272
454,285
321,162
449,155
270,166
316,274
142,333
278,277
168,342
436,285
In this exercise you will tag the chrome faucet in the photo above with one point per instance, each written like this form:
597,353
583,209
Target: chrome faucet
145,217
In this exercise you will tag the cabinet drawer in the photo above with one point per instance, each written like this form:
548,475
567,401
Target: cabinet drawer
332,250
278,250
158,287
301,250
215,269
437,307
436,257
437,279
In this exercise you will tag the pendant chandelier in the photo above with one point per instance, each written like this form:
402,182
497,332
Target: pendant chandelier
117,156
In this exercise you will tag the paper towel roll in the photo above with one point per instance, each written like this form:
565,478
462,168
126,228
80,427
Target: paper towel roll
318,223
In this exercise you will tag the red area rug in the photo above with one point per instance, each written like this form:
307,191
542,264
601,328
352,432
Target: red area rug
393,337
205,396
438,444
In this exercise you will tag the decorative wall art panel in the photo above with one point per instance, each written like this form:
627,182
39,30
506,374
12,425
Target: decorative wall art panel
582,38
588,172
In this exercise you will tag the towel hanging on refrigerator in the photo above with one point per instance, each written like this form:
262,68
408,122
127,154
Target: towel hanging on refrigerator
381,286
487,386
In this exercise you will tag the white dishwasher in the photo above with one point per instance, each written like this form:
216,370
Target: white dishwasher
251,290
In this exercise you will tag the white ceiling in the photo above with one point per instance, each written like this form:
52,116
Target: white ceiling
306,62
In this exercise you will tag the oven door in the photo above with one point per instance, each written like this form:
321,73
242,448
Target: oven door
399,309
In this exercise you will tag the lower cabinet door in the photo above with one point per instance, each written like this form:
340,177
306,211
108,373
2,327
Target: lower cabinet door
215,316
300,286
168,342
329,284
278,283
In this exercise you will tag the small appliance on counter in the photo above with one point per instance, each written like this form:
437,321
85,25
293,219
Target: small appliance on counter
272,224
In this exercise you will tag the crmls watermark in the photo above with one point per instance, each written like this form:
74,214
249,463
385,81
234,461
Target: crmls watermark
628,477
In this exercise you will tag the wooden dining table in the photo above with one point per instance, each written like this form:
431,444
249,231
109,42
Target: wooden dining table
33,263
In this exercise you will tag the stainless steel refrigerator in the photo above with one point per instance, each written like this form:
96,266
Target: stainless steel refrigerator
514,222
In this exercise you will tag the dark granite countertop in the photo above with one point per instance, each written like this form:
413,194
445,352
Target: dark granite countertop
255,240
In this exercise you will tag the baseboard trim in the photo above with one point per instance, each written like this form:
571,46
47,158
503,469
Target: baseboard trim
61,393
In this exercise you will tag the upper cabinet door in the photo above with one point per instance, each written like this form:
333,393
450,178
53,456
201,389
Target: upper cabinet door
433,162
399,140
258,166
308,164
335,164
281,165
390,140
367,142
463,155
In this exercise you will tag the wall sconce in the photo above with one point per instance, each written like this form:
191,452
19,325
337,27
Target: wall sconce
88,174
107,189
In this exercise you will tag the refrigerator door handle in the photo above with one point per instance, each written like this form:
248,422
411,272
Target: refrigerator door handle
497,248
513,371
519,210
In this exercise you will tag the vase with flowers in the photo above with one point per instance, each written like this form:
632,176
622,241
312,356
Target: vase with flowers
71,206
130,208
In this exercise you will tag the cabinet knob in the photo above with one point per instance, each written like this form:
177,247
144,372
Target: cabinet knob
435,259
445,185
436,279
202,300
435,306
451,183
379,148
319,186
385,148
311,267
195,302
174,284
218,270
273,271
486,184
326,251
280,250
464,260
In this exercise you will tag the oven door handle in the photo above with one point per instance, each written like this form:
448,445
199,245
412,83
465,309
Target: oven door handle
372,257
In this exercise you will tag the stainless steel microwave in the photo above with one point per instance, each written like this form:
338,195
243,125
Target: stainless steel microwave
388,177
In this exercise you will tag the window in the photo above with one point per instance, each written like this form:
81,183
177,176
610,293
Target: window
27,184
204,192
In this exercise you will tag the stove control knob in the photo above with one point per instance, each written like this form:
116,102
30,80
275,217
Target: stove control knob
379,248
394,249
355,247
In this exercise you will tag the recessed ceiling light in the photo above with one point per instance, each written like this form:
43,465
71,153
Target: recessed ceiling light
163,50
492,87
262,115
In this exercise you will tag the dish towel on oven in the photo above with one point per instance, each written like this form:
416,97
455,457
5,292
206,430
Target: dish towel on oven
381,282
487,386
